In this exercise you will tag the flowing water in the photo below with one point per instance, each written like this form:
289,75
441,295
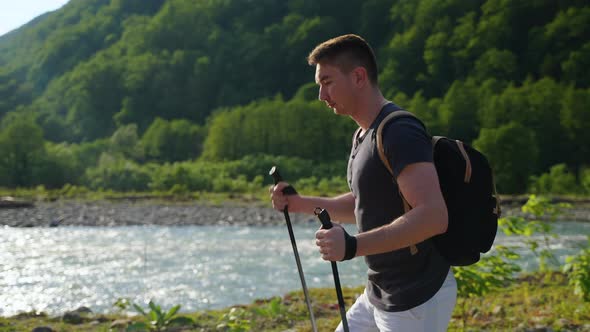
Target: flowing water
200,267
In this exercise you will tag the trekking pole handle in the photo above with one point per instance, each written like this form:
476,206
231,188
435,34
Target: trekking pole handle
274,172
324,217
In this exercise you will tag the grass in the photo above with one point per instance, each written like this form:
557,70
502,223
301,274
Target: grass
535,301
540,301
83,194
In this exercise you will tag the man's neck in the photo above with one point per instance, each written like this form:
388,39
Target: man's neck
369,110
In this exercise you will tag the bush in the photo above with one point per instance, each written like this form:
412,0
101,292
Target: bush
322,186
559,180
117,174
578,268
585,180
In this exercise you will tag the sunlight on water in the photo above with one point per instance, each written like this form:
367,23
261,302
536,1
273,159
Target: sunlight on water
201,267
60,269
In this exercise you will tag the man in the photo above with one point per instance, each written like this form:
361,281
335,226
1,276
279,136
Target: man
410,286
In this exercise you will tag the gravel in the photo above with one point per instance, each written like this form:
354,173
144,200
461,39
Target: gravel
148,212
106,213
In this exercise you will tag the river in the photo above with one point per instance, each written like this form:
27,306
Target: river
55,270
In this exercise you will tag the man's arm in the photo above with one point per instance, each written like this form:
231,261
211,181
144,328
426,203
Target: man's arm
341,208
419,184
428,217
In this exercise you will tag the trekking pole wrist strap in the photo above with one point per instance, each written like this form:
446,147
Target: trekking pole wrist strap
349,246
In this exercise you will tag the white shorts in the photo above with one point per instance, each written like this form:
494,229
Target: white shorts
431,316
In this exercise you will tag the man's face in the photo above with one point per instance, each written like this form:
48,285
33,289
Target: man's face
336,88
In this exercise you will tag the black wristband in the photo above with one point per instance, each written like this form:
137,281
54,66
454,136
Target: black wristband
349,246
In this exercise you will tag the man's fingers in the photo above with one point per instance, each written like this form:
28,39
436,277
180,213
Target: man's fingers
331,243
320,233
324,244
325,253
279,201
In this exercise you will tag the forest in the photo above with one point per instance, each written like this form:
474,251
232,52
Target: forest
207,95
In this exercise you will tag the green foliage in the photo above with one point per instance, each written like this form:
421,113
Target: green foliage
295,128
537,106
122,304
117,173
125,142
575,119
585,180
458,111
274,308
21,151
322,186
172,140
557,181
60,166
496,64
157,319
543,213
511,150
533,301
578,269
541,207
246,175
100,76
236,320
492,272
497,268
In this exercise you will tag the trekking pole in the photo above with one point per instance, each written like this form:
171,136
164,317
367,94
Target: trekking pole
327,224
274,172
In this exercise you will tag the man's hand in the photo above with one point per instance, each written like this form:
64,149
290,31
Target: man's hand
331,243
279,200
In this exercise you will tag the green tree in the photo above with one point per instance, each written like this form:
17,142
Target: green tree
575,118
126,142
21,150
172,140
512,153
558,181
564,39
59,166
117,173
458,111
537,106
295,128
499,64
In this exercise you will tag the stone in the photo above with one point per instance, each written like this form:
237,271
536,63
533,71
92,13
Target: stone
43,329
83,310
120,323
72,317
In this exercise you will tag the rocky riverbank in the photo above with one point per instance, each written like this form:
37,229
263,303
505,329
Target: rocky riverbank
147,212
168,213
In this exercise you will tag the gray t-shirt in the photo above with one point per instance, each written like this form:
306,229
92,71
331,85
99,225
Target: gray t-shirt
397,280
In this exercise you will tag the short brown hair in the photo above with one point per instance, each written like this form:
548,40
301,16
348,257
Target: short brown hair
346,52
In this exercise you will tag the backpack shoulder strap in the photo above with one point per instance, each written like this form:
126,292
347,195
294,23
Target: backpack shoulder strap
380,149
390,117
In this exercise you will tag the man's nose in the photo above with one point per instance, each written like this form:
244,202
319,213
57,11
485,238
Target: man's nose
321,94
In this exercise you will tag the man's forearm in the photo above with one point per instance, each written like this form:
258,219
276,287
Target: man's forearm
340,208
411,228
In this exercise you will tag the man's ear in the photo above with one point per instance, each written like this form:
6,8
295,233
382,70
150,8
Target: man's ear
360,76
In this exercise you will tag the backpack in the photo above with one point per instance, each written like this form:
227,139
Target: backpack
467,184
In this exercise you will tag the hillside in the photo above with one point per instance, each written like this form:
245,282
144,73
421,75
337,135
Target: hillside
494,73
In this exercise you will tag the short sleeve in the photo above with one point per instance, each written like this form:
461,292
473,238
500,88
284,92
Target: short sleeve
406,142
